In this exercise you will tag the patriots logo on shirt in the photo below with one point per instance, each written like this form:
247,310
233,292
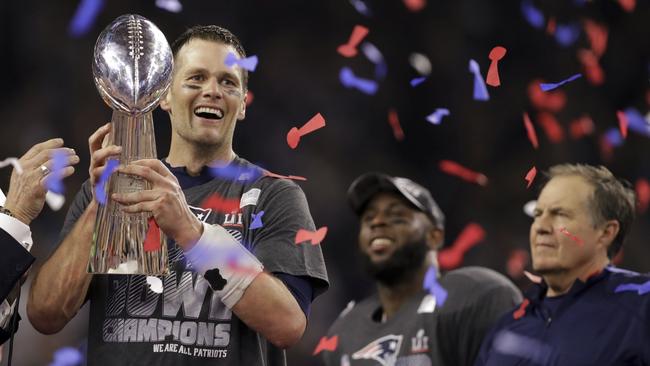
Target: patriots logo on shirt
201,213
383,350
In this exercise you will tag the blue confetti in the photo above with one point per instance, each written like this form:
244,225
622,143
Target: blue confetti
640,288
380,71
67,356
532,15
173,6
480,90
236,173
100,188
436,116
361,7
550,86
417,81
84,17
613,136
248,63
350,81
54,182
567,35
257,220
636,122
431,284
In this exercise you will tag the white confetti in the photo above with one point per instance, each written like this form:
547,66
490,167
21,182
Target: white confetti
14,162
155,284
529,208
420,63
173,6
54,200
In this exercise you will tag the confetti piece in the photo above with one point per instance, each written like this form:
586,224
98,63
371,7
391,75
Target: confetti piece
529,349
327,344
420,63
521,311
257,220
436,116
372,53
622,123
517,262
220,204
84,17
637,122
566,35
350,49
495,55
593,72
417,81
640,288
533,278
581,127
13,162
452,257
279,176
54,181
349,80
530,176
551,127
530,131
480,90
361,7
67,356
550,86
435,289
294,135
532,15
249,98
100,188
152,240
248,63
236,173
576,239
453,168
393,120
529,208
553,101
316,237
551,26
54,200
380,71
613,137
155,284
173,6
642,188
597,35
415,5
627,5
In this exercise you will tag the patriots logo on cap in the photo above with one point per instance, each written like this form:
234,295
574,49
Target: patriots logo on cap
383,350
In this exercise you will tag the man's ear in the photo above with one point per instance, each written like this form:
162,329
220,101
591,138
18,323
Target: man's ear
435,238
242,112
165,103
610,230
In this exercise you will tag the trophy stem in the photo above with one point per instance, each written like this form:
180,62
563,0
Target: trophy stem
123,242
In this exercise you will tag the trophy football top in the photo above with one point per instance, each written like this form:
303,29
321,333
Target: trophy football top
132,64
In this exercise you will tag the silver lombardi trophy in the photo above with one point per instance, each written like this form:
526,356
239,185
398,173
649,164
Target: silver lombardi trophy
132,68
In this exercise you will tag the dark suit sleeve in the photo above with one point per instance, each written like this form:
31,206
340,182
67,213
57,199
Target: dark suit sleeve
14,262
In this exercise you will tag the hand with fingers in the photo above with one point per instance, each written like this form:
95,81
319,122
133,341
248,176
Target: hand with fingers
100,152
165,200
27,190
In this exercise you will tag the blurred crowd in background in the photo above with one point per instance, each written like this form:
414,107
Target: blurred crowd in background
417,53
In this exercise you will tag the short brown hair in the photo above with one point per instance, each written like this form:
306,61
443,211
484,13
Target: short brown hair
212,33
613,199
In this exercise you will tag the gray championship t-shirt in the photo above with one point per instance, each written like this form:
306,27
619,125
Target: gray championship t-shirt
423,333
187,324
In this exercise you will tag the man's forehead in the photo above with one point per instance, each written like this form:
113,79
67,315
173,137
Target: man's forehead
202,50
565,191
387,199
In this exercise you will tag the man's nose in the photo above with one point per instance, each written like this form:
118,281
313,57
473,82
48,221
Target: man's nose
212,89
542,224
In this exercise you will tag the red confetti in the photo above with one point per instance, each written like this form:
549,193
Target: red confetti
453,168
551,26
592,70
581,127
220,204
573,237
314,236
393,120
551,127
533,278
517,262
350,49
642,188
530,176
597,35
279,176
530,130
327,344
152,240
606,149
552,101
495,55
627,5
622,123
452,257
294,135
519,313
415,5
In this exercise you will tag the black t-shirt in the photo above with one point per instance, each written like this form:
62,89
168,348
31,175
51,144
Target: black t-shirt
422,332
188,324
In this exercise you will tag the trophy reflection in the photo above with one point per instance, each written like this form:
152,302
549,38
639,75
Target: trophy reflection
132,69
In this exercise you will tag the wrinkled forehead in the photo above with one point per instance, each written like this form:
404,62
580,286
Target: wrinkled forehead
570,191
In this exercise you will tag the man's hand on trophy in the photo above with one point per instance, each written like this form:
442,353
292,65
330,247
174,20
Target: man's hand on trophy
165,200
26,195
100,151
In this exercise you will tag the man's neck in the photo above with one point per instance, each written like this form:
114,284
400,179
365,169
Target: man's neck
560,283
194,158
394,296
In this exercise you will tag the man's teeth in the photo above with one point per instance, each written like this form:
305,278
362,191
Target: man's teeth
378,243
218,113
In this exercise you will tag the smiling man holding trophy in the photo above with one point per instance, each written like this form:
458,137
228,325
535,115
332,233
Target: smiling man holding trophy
234,291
